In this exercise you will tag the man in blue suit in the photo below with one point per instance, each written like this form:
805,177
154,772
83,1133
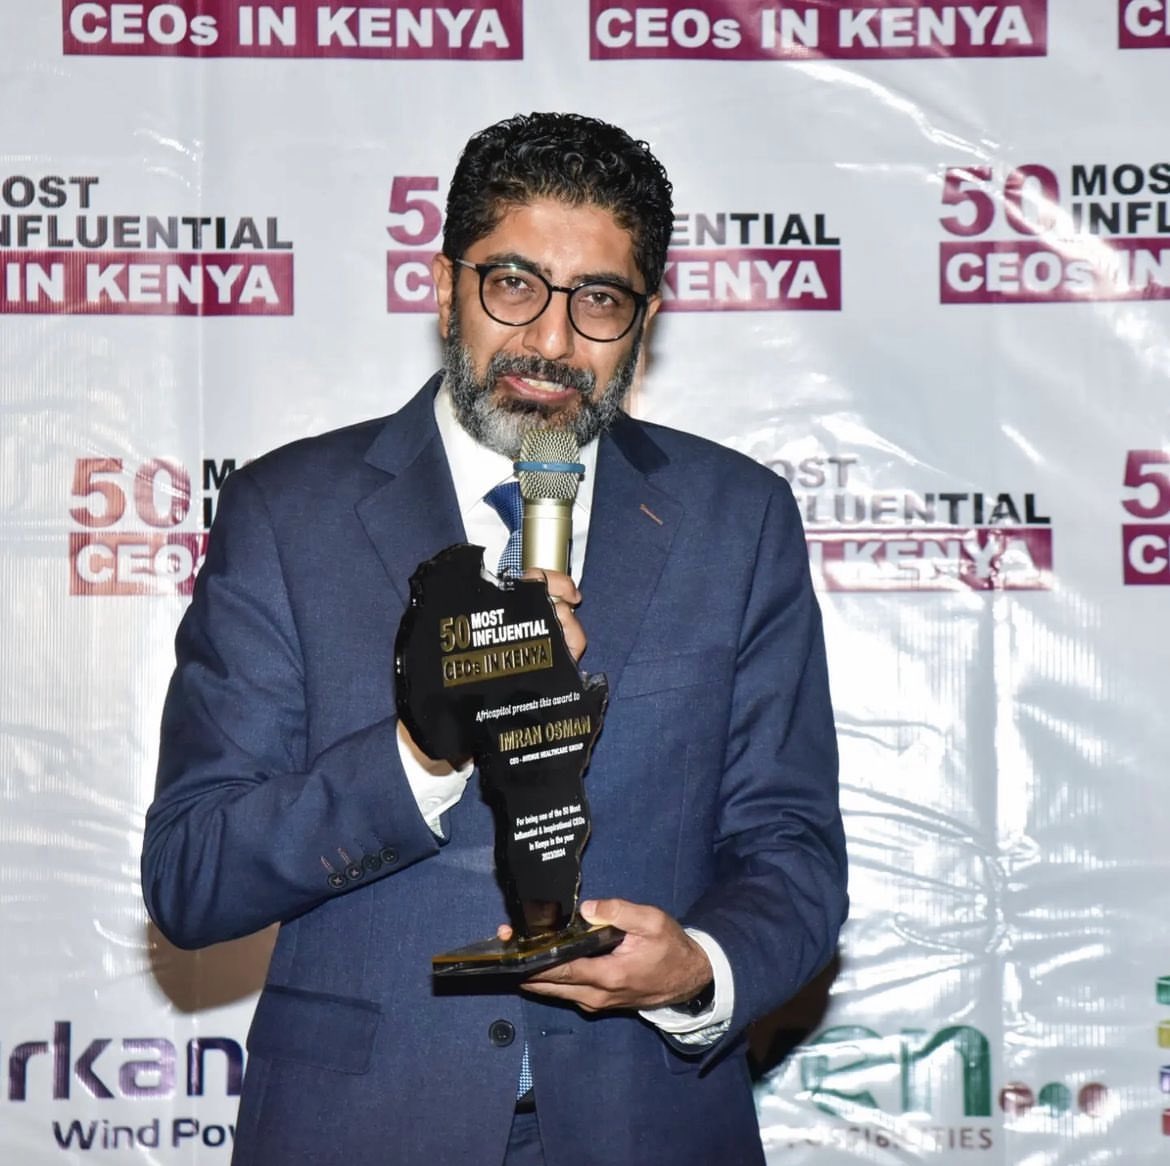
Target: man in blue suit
288,792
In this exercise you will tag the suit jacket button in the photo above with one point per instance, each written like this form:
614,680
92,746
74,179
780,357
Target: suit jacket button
389,855
371,862
354,871
501,1033
336,880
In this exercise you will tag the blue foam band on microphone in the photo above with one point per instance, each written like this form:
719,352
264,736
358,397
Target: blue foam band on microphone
550,467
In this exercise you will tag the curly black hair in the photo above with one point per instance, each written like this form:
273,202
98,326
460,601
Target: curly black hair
579,160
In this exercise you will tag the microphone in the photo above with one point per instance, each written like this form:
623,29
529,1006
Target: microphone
549,474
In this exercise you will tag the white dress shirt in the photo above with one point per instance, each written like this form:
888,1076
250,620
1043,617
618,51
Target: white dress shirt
475,470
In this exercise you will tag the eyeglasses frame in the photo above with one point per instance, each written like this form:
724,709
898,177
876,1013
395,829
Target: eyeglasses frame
641,299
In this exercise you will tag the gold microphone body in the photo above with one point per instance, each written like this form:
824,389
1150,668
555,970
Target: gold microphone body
547,532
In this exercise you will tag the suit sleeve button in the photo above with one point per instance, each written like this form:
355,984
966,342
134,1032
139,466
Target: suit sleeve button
336,880
389,855
501,1033
372,863
354,871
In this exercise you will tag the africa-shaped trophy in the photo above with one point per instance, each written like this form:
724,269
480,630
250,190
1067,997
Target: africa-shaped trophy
482,671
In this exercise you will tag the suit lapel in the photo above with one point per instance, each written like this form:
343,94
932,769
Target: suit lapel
413,515
631,527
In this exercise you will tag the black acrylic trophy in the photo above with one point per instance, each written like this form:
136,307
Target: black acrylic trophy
482,671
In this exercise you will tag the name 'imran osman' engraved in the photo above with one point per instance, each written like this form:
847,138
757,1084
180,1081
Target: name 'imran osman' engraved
565,729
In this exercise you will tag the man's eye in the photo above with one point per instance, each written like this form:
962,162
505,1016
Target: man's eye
513,284
601,299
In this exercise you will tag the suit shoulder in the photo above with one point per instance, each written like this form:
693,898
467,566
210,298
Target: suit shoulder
320,454
354,456
689,456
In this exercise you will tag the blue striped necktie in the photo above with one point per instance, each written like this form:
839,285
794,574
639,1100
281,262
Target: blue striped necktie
505,500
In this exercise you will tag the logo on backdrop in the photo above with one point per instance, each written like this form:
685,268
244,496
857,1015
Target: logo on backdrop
752,261
797,30
768,260
139,530
1143,24
409,30
61,254
881,1086
138,1069
1162,995
1034,235
416,233
900,540
1145,544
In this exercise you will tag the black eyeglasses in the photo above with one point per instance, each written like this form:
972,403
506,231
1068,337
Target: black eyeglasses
516,295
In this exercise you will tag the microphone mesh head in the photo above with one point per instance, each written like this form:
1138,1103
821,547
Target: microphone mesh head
548,445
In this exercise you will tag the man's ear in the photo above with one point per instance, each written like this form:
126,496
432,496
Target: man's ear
443,274
653,303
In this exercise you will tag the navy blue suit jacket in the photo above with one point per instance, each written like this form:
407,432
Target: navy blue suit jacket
281,798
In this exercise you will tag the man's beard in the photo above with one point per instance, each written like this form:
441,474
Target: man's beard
500,423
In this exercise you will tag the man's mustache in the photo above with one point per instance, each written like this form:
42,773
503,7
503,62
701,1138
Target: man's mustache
538,369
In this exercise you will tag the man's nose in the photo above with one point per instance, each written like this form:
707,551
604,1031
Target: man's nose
551,335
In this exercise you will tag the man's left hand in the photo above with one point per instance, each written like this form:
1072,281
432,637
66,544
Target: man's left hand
656,963
566,598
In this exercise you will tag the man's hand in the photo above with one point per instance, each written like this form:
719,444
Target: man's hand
565,596
656,963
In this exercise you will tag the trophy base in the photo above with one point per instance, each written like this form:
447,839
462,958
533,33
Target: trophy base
528,956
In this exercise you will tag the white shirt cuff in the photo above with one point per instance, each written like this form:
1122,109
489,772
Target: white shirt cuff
708,1026
435,785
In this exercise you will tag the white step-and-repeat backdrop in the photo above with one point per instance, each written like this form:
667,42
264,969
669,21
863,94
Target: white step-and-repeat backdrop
920,269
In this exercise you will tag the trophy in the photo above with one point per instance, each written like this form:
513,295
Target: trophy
482,670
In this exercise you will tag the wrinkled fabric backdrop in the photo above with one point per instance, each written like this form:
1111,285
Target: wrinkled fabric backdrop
920,269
